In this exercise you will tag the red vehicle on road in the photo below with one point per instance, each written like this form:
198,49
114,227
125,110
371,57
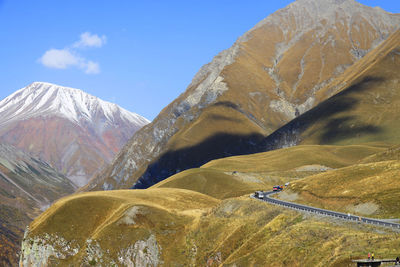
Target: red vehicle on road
277,188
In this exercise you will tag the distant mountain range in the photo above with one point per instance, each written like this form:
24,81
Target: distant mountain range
73,131
286,65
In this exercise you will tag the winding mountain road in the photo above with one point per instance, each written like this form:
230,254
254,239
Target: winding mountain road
266,196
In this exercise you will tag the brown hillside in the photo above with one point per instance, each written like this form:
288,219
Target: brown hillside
263,81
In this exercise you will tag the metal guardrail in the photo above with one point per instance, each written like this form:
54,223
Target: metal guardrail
267,198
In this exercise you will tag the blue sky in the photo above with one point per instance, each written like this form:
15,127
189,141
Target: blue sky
138,54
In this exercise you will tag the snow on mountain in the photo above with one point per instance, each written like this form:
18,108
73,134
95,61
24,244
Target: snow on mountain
76,133
44,99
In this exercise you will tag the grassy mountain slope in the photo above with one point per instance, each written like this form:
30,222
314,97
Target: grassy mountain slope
117,224
361,179
268,77
392,153
365,110
371,189
239,175
167,225
173,227
295,157
214,183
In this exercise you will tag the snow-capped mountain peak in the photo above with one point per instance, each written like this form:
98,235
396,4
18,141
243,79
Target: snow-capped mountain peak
76,133
46,99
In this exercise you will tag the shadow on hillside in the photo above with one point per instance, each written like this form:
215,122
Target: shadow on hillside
342,128
331,117
215,147
330,113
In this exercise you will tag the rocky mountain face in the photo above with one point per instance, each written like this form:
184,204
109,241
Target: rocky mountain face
74,132
284,66
365,110
27,187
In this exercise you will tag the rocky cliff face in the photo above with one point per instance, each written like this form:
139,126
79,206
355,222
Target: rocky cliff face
75,132
27,187
37,252
272,74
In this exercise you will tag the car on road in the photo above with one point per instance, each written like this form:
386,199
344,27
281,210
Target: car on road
259,194
277,188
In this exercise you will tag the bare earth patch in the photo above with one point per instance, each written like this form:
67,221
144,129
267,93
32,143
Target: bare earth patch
288,196
246,177
130,215
364,208
313,168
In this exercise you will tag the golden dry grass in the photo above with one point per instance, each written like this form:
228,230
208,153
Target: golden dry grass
104,216
367,107
194,229
214,183
237,231
293,157
106,204
240,175
374,184
392,153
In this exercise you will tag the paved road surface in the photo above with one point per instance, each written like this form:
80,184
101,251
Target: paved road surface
267,197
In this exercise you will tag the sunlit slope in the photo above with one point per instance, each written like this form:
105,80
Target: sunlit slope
263,235
214,183
239,175
269,76
116,220
392,153
366,110
295,157
109,204
371,189
165,227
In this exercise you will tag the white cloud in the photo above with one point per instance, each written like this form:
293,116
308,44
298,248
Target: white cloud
64,58
59,59
90,40
69,57
92,67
